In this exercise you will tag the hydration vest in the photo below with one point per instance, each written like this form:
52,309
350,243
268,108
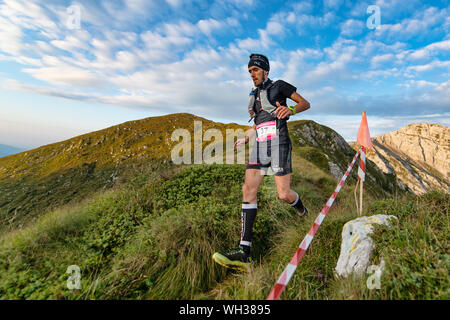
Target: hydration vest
263,110
264,102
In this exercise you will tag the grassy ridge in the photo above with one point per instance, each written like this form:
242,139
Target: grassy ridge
40,180
154,240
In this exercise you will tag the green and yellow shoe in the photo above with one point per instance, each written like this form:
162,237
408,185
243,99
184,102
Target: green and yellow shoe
233,259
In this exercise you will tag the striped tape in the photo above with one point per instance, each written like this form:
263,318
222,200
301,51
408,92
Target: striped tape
282,282
362,165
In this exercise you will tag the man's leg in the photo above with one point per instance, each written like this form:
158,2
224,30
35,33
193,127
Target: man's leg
253,179
288,195
283,160
284,190
239,258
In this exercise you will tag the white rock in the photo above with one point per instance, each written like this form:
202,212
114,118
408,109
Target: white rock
357,245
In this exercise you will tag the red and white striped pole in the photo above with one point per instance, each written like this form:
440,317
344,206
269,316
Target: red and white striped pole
292,266
362,164
361,177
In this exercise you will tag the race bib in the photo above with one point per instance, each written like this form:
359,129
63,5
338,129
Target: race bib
266,131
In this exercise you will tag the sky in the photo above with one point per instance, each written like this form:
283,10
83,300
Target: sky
72,67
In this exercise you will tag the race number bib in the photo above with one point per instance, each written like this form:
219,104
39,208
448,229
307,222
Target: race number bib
266,131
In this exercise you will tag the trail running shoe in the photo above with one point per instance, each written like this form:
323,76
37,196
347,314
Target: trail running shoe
304,213
234,259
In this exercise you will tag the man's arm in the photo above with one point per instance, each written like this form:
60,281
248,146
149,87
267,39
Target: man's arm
302,105
250,133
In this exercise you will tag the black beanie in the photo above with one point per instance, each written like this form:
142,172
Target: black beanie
259,60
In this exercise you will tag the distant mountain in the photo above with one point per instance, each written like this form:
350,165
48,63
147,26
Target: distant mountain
418,154
64,172
6,150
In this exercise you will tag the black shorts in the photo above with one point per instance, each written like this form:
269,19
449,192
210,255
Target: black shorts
277,157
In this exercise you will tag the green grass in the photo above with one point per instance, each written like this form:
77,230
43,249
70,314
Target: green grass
170,240
149,239
415,252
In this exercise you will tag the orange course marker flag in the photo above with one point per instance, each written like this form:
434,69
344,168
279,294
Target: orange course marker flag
363,133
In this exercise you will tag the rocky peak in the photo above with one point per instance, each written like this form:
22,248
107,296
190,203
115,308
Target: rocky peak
424,142
417,154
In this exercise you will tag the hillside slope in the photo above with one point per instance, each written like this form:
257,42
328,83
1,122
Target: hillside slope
47,177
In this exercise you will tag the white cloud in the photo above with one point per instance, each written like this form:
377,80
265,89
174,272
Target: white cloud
29,15
421,23
352,28
332,4
22,60
419,84
70,43
66,76
154,40
378,74
429,66
380,59
274,27
174,3
207,26
347,126
11,36
430,50
329,71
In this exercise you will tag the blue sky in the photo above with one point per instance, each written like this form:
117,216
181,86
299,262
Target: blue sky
71,67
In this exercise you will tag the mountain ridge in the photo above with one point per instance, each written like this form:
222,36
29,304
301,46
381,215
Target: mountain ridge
56,174
417,154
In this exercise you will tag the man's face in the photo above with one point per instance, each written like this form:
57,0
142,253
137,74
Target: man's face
257,74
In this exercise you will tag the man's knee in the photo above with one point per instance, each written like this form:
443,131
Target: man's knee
249,190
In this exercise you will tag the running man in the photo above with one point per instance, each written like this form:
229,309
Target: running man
272,148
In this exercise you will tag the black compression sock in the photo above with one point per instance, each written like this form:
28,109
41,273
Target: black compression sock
297,204
248,215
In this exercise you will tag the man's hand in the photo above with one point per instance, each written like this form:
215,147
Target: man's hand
241,141
282,112
250,112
